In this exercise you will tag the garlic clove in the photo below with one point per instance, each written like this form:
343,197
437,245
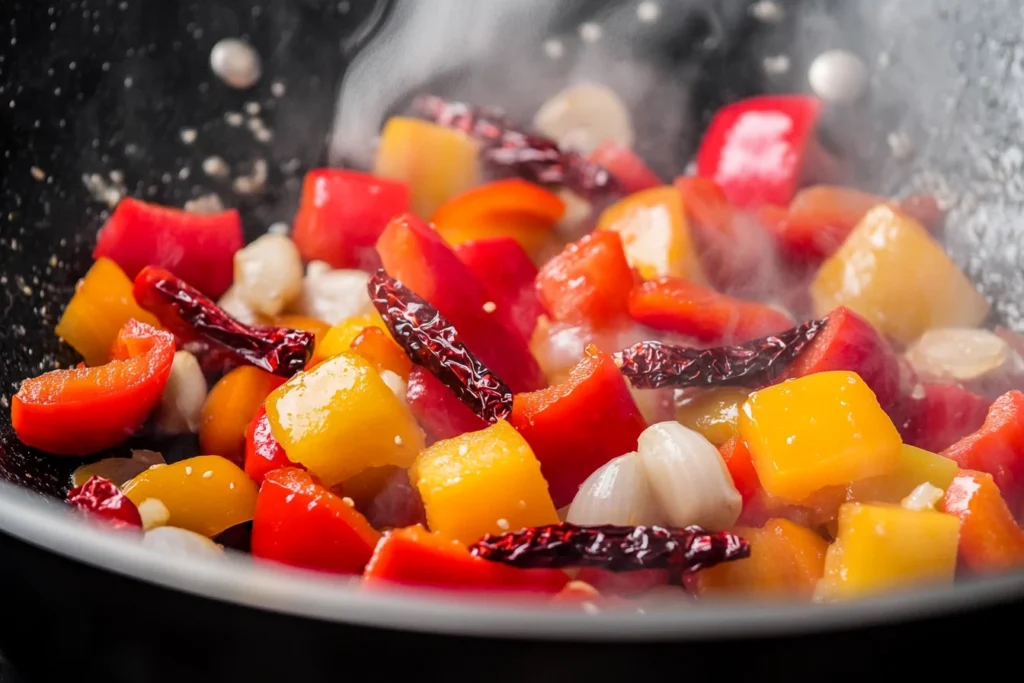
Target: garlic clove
689,478
958,354
617,493
175,541
268,274
333,295
232,303
182,401
153,513
584,116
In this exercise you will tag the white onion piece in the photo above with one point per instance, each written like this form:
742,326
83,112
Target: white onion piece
175,541
333,295
233,304
690,480
617,493
396,384
183,397
581,117
153,513
118,470
924,497
268,274
958,354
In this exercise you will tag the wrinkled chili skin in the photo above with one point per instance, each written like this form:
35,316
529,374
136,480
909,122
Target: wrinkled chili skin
654,365
102,498
433,342
613,548
191,316
510,151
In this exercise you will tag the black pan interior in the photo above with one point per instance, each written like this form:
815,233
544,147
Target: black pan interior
109,85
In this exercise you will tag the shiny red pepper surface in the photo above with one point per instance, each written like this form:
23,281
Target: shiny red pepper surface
439,412
198,248
505,269
577,426
755,149
626,166
936,416
300,523
998,447
263,454
102,498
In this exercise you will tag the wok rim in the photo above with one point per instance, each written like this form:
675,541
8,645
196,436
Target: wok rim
58,529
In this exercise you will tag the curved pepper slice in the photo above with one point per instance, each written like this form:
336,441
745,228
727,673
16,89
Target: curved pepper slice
577,426
341,215
415,557
755,149
198,248
511,208
998,447
263,454
626,165
84,410
415,254
300,523
689,309
990,538
507,272
588,282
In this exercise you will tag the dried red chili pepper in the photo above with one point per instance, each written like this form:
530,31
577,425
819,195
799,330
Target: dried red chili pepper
101,497
183,310
433,342
509,150
654,365
613,548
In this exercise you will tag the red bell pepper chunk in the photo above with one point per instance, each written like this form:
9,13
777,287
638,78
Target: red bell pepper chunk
675,305
990,538
940,416
741,467
101,497
577,426
342,214
588,282
198,248
412,252
626,166
998,446
849,342
415,557
300,523
85,410
508,273
756,149
439,412
263,453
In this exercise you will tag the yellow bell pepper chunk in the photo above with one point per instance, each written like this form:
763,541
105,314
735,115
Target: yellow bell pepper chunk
916,466
655,233
340,418
102,304
893,273
436,163
883,547
484,482
339,338
821,430
206,494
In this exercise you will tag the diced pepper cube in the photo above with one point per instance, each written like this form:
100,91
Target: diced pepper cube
340,418
998,446
817,431
435,162
101,306
990,538
655,234
480,483
785,559
892,272
915,467
883,547
936,416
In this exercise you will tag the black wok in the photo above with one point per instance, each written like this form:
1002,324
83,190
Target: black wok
92,86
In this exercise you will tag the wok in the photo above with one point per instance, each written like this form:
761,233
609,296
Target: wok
92,87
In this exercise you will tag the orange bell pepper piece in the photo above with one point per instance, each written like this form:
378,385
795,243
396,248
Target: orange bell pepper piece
84,410
229,409
377,346
101,306
990,538
998,447
696,311
505,208
589,282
